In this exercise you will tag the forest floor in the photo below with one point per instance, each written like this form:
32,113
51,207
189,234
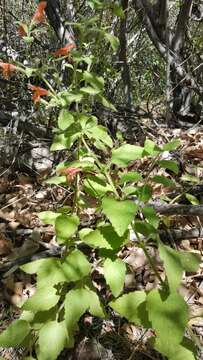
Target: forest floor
23,196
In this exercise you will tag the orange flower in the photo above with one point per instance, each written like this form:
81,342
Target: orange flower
22,30
69,172
37,92
65,50
7,69
39,15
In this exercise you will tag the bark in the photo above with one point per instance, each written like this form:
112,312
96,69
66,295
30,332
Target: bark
123,58
64,32
182,81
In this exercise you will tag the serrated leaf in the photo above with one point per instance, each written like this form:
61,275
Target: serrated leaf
172,145
77,302
44,299
170,165
162,180
15,333
114,41
52,339
132,307
56,180
131,176
120,213
114,274
96,185
167,312
66,226
192,199
75,266
48,217
126,153
104,237
65,119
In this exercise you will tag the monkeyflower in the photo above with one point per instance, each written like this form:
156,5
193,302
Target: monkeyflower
69,172
37,92
22,30
64,51
7,69
39,15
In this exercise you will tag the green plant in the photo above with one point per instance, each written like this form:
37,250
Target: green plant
99,171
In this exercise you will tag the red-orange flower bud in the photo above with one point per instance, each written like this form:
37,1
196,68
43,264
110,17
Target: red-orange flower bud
7,69
64,51
37,92
39,15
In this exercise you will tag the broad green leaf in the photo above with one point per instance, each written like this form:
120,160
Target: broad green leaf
130,190
75,266
131,176
105,102
77,302
95,239
192,199
50,273
186,350
132,307
144,192
60,142
96,185
104,237
190,261
56,180
65,119
172,265
33,266
169,317
120,213
145,229
52,339
190,178
99,133
44,299
114,41
90,90
151,216
48,217
162,180
96,81
151,148
114,274
15,333
66,226
170,165
172,145
126,153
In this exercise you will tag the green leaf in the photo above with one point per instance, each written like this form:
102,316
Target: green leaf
190,178
104,237
90,90
162,180
170,165
186,350
44,299
151,216
96,81
145,229
66,226
172,145
192,199
96,185
132,307
144,192
50,273
75,266
131,176
151,148
99,133
15,333
114,41
190,261
56,180
126,153
48,217
77,302
114,274
172,265
65,119
52,339
120,213
167,312
60,142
